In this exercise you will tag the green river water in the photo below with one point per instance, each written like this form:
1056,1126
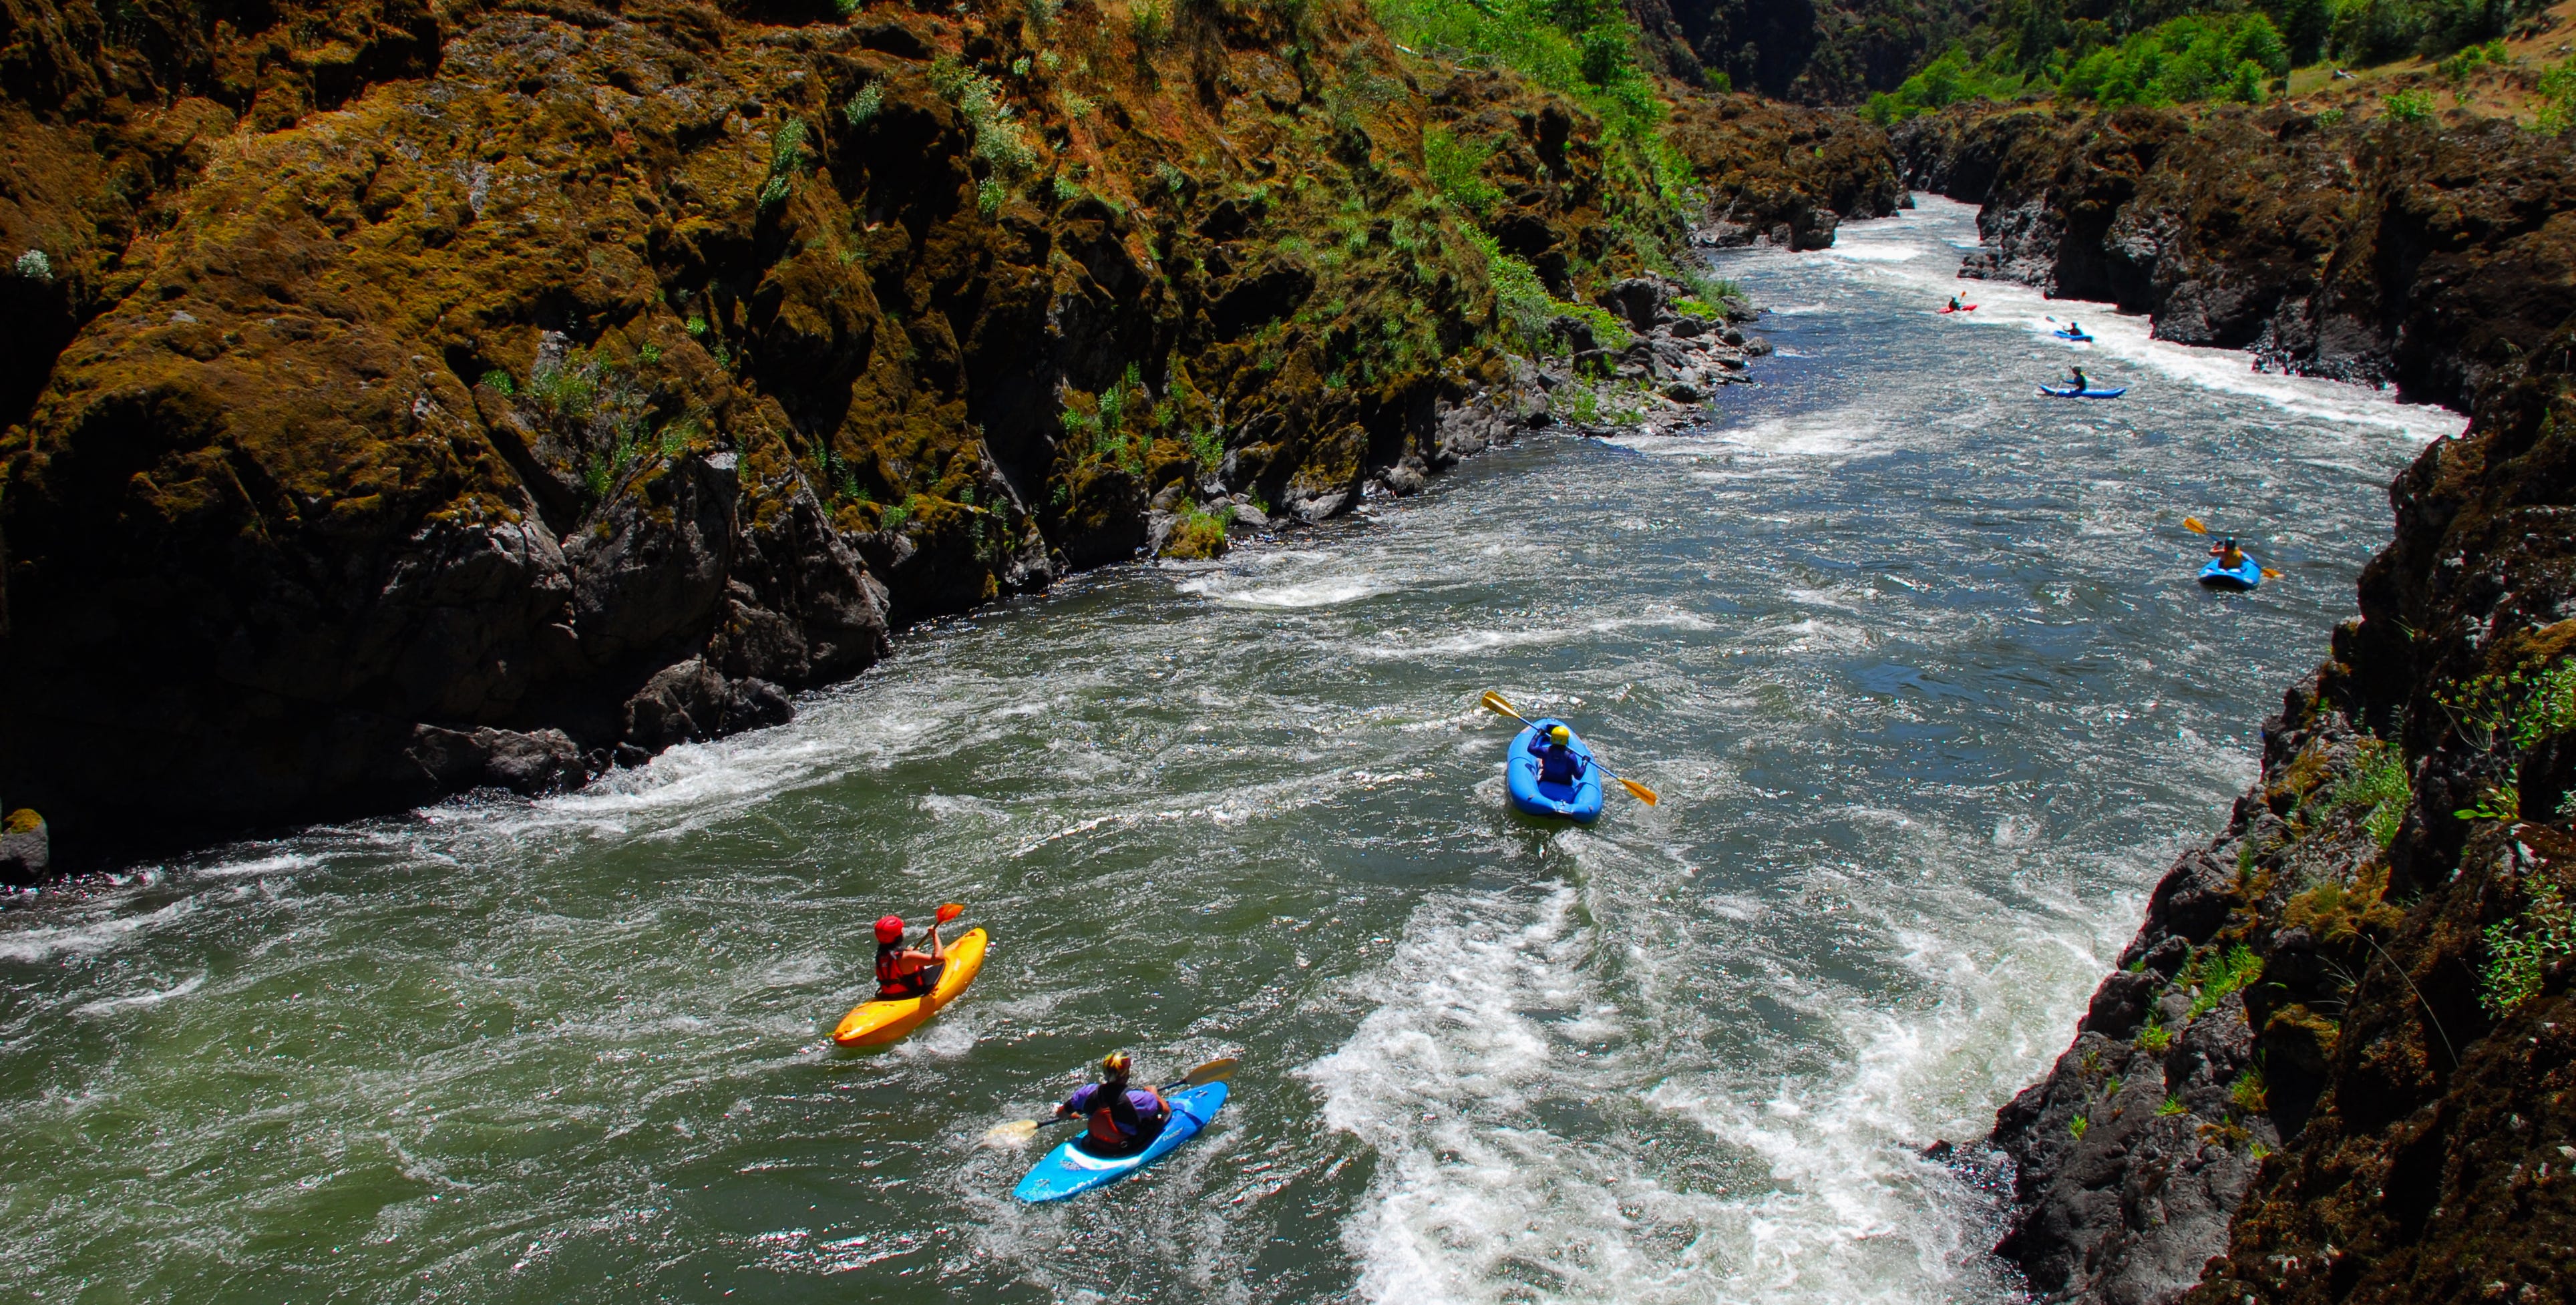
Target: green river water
1913,656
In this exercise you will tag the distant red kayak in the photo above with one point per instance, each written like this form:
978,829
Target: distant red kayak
1963,308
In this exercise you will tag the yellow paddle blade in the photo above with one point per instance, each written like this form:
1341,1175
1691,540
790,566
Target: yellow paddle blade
2193,525
1015,1133
2270,574
1494,703
1639,791
1215,1071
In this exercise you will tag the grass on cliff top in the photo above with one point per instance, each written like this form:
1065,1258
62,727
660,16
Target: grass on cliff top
1584,50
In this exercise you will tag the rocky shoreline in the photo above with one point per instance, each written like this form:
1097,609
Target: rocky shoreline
2331,1066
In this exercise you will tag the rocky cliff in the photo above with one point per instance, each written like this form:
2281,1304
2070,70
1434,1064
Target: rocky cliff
2330,1067
2375,251
415,398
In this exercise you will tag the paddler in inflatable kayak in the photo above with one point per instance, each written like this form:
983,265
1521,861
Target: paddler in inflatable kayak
1123,1120
1558,763
907,971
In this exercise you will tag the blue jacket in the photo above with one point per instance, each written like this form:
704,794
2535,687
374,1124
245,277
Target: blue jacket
1557,763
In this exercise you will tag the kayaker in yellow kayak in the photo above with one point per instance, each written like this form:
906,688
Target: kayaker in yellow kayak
1123,1120
907,971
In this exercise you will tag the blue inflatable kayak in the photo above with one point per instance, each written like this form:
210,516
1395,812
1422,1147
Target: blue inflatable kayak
2244,577
2072,393
2077,336
1580,800
1069,1170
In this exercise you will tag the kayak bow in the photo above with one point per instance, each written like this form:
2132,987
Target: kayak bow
876,1023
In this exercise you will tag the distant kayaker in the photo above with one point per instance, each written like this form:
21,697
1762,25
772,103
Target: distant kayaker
2074,327
2228,554
1558,763
1954,304
907,971
1123,1120
2082,382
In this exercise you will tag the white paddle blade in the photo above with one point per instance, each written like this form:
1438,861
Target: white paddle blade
1015,1133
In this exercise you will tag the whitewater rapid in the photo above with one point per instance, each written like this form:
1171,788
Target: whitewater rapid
1912,656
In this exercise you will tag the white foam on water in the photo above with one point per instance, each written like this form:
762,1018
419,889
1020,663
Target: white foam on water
1288,597
90,937
110,1005
1474,1198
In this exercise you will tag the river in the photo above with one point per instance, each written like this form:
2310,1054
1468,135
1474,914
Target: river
1913,656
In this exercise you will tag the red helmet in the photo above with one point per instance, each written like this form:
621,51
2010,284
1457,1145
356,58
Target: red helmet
890,929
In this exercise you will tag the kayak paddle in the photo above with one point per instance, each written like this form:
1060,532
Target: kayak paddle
2193,524
948,911
1021,1130
1494,703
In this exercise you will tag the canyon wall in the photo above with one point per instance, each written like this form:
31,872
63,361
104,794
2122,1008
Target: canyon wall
2334,1064
413,398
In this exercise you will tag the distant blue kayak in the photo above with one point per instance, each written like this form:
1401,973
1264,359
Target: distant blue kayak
2243,577
1069,1170
1580,800
2078,336
2070,392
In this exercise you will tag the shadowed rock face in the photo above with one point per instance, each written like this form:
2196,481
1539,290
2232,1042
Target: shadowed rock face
1784,174
2378,253
419,400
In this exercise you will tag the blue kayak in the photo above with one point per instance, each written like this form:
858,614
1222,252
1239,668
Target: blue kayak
2071,392
2077,336
2243,577
1580,800
1069,1170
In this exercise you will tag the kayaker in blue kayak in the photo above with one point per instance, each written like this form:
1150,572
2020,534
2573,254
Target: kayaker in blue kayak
2228,554
2074,328
2081,382
1557,762
1123,1120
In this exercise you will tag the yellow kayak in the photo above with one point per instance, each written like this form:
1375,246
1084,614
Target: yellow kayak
876,1023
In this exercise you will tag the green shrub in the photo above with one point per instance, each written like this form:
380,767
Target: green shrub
2219,973
2195,57
2155,1037
2077,1126
1208,447
2377,787
2466,64
2555,94
864,106
2250,1091
1457,170
999,138
2409,106
1946,80
1150,22
500,380
2172,1106
2521,948
787,159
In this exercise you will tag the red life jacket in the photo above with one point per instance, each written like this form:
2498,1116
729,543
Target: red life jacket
897,986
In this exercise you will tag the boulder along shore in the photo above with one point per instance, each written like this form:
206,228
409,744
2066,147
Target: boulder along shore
425,398
2334,1064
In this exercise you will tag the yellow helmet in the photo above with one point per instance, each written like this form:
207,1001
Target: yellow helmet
1560,734
1115,1065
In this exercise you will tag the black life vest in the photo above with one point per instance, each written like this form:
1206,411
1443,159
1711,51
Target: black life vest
1114,1120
